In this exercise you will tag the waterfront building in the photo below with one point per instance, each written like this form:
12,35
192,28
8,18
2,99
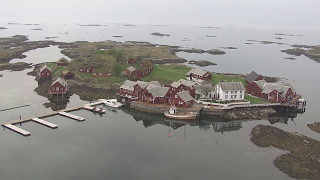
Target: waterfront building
229,91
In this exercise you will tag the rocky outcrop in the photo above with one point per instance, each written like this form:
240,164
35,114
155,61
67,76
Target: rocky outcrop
202,63
159,34
19,66
168,61
315,127
215,52
303,159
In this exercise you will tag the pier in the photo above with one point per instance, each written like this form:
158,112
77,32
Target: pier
39,119
78,118
46,123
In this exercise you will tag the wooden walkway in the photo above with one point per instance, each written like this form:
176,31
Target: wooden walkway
247,106
78,118
46,123
38,119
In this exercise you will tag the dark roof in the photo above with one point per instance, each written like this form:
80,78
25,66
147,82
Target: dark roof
64,72
252,77
63,60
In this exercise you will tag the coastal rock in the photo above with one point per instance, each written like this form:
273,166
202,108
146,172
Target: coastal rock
303,159
168,61
193,50
202,63
159,34
228,47
19,66
215,52
312,52
315,127
3,28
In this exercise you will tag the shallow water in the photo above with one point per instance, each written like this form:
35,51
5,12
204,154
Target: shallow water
119,145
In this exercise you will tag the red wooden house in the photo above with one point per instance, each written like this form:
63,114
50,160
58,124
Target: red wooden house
256,87
44,73
184,85
141,86
277,93
86,70
128,71
127,88
131,61
182,99
198,75
67,74
58,87
250,78
156,94
62,62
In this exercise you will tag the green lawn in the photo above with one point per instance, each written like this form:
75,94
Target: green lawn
254,100
167,73
216,78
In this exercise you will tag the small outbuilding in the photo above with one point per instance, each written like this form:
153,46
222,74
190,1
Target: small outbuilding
62,62
198,75
131,61
58,87
67,74
44,73
182,99
128,71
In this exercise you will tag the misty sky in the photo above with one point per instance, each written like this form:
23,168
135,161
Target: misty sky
284,14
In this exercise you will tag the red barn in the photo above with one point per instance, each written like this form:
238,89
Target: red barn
131,61
184,85
67,74
141,86
58,87
156,94
253,76
62,62
127,88
256,87
198,75
128,71
182,99
86,70
277,93
44,72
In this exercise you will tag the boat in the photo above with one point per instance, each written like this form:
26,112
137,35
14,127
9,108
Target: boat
94,109
112,103
173,114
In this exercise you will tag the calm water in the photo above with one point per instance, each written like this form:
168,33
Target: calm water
123,144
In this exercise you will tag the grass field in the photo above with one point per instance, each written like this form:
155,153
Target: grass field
216,78
254,100
166,74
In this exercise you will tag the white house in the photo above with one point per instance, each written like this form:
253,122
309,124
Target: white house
205,91
228,91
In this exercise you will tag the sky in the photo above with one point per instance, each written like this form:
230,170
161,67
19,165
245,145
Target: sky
281,14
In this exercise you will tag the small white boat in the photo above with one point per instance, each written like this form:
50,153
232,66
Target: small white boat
112,103
173,114
94,109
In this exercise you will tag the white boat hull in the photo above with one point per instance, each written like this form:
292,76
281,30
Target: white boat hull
182,116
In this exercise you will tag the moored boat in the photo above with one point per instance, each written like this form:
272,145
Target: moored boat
173,114
112,103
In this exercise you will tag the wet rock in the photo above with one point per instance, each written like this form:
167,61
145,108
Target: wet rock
228,47
315,127
159,34
202,63
19,66
3,28
303,159
168,61
215,52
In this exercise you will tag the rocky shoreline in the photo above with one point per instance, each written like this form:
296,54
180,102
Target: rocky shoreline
303,159
315,127
312,52
19,66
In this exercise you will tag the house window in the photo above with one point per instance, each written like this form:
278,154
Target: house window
226,92
57,88
226,96
235,96
240,96
240,92
61,89
175,96
231,93
52,88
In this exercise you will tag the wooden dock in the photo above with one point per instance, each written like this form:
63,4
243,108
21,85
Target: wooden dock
46,123
78,118
38,119
94,109
17,129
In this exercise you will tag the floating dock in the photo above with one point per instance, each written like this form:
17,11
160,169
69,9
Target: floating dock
38,119
78,118
16,129
46,123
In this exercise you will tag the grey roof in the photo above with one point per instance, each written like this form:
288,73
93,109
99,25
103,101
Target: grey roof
226,86
128,85
61,81
63,60
184,82
158,91
197,71
131,69
185,96
204,87
252,77
269,87
260,83
44,67
143,84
